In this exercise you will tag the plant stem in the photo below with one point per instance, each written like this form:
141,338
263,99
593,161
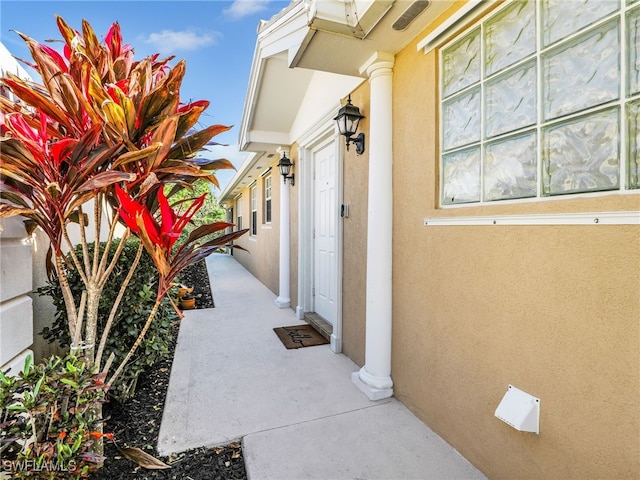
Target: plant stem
97,223
75,341
83,241
67,295
154,310
93,300
105,255
74,257
116,304
105,276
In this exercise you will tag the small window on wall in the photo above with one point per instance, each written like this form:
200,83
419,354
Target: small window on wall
267,199
533,107
239,217
254,210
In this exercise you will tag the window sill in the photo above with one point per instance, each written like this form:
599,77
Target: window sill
597,218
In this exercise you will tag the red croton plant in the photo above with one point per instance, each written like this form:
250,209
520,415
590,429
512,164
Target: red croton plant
103,127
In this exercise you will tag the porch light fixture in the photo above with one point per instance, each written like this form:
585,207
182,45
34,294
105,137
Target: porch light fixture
348,120
285,167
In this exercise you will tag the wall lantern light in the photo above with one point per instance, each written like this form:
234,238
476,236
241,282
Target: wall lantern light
285,167
348,120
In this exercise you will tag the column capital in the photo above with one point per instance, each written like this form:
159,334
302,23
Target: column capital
376,61
282,149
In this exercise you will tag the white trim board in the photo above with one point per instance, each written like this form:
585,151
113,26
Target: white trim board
595,218
440,32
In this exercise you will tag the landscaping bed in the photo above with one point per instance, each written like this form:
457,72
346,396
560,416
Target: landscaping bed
137,422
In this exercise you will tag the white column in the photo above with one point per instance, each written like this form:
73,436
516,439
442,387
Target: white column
284,294
374,379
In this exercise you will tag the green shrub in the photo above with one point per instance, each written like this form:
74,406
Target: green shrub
209,213
50,418
135,307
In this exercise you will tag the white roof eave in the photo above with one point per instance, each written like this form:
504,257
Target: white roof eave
247,165
283,34
310,37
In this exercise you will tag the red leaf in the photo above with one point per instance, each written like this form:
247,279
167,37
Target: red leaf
62,149
56,57
106,178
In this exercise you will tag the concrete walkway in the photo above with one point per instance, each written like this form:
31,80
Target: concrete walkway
297,412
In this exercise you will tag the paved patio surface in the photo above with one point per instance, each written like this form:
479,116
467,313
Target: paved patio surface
297,412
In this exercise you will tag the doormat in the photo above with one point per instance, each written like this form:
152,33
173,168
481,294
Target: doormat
298,336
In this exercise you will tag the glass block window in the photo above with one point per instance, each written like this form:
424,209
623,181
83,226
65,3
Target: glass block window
254,210
540,99
267,199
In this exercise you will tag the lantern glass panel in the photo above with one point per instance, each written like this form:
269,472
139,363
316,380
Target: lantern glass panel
352,125
284,166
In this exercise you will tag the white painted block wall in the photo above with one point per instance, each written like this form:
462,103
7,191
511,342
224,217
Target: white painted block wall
16,310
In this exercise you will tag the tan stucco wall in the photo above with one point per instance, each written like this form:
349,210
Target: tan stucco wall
553,310
262,256
354,267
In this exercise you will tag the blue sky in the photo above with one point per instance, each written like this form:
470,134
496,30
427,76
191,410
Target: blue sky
215,37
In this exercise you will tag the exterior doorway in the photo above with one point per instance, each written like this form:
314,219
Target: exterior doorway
320,246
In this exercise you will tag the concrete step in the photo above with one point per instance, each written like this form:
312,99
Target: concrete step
320,324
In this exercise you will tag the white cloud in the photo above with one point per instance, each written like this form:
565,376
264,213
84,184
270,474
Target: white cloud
243,8
168,41
230,152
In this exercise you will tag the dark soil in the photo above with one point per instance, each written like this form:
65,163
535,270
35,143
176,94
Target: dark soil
137,422
198,278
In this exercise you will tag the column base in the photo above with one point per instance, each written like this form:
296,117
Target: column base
372,392
282,302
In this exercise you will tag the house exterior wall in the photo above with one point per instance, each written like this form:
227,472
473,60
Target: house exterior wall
16,307
43,309
261,259
354,268
552,310
16,311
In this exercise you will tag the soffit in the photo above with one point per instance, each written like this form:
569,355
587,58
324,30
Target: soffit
281,86
337,52
310,37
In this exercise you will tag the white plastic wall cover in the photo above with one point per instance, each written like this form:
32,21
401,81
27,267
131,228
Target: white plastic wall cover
520,410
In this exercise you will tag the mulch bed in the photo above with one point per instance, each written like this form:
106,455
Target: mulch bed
137,422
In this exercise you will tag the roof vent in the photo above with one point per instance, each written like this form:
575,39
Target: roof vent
410,14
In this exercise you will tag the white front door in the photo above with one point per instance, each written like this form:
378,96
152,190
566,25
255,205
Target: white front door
325,264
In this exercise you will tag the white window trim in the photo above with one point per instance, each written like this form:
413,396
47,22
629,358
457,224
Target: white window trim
253,200
595,218
267,221
443,32
239,211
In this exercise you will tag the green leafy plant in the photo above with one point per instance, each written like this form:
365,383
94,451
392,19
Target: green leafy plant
209,213
103,127
48,420
102,123
135,305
